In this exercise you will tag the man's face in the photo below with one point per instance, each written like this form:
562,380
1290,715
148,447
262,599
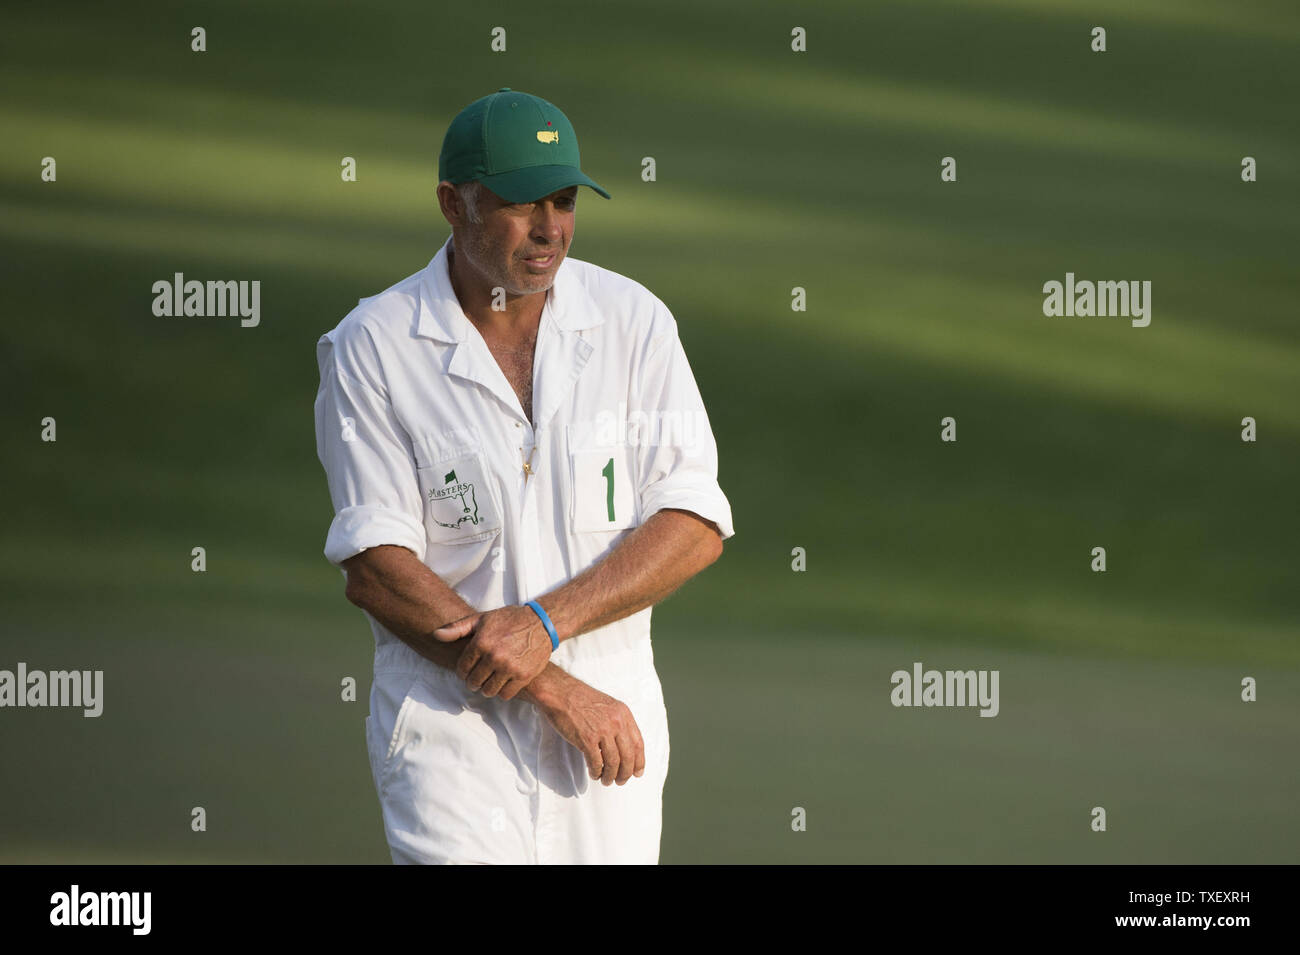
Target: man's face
519,246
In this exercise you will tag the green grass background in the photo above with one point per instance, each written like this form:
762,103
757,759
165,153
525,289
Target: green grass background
775,170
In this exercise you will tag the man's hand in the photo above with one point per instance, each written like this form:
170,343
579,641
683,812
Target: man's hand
507,649
394,586
602,728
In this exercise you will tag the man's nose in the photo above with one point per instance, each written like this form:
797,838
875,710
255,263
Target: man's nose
546,222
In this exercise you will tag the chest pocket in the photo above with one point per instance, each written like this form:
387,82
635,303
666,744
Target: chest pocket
602,481
460,497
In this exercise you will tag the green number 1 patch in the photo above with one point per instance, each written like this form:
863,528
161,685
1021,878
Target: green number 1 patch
603,497
608,472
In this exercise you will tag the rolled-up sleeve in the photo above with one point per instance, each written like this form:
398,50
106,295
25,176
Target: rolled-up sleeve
367,458
678,456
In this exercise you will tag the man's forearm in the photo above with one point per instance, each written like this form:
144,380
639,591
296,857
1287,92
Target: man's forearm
647,565
411,601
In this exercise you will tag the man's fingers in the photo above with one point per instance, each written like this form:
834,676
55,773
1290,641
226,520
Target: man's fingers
609,750
494,683
456,629
468,658
626,757
595,762
639,769
638,766
479,675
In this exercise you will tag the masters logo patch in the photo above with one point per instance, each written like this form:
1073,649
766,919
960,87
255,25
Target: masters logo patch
454,504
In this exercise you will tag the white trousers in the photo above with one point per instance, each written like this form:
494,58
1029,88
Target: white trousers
466,779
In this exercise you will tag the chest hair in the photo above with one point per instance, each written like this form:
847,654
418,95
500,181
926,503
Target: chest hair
516,362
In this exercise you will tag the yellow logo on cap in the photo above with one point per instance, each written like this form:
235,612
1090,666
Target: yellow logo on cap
548,136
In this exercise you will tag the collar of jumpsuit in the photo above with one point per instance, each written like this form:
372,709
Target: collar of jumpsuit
420,436
568,308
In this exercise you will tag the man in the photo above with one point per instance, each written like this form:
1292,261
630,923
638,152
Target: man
521,466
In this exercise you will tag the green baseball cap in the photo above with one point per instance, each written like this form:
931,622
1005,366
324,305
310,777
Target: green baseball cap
519,146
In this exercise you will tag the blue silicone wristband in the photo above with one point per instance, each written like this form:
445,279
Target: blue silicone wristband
546,622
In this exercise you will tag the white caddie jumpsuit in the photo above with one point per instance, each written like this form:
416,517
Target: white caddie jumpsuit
423,442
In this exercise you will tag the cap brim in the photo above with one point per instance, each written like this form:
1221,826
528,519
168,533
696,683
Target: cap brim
533,182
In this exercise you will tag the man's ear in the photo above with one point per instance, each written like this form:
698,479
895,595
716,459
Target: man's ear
449,202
